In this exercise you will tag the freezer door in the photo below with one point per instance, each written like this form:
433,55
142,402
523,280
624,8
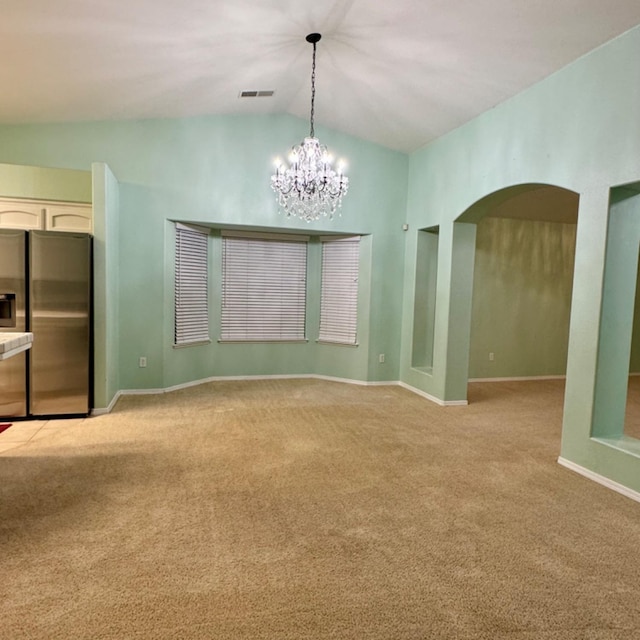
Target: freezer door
13,371
60,294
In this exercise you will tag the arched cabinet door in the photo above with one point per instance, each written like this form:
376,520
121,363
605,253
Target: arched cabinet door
62,216
45,215
21,214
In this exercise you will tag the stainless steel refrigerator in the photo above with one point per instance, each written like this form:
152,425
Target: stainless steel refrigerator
45,288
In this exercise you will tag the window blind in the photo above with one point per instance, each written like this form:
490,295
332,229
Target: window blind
339,290
191,286
264,285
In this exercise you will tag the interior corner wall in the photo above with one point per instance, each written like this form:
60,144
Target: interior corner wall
106,305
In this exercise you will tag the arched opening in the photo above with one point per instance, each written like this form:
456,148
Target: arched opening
522,288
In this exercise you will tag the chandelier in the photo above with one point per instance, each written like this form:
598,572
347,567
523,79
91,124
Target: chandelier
310,188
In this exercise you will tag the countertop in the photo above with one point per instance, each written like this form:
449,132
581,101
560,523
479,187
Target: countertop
14,343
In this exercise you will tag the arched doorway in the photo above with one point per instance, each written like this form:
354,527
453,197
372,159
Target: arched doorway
523,278
522,283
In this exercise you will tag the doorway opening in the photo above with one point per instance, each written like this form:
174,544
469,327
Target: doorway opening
522,289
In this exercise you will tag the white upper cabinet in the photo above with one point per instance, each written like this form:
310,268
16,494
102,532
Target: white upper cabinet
47,215
62,216
21,214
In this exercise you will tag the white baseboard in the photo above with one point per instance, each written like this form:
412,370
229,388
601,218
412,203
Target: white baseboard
195,383
363,383
104,410
517,379
404,385
428,396
596,477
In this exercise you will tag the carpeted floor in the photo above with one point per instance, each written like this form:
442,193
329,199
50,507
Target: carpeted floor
299,509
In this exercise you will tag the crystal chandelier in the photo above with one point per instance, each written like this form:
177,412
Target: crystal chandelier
310,188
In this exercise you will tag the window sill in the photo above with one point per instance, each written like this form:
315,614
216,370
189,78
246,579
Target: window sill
253,341
626,444
195,343
425,370
338,344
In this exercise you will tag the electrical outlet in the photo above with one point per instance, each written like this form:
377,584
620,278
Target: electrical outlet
381,358
491,358
142,362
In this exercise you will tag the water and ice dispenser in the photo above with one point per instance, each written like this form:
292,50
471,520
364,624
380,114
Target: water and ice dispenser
7,310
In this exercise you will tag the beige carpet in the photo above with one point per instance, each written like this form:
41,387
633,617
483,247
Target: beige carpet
309,509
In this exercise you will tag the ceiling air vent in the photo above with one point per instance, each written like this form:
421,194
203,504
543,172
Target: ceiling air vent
256,94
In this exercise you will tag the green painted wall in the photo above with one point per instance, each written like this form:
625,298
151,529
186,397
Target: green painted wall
579,130
521,298
523,281
216,171
19,181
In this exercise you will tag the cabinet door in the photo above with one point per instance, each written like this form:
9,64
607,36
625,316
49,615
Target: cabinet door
69,217
17,214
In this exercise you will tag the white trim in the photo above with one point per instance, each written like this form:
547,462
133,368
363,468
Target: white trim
195,343
596,477
339,236
266,235
363,383
518,378
428,396
195,383
109,408
293,376
193,227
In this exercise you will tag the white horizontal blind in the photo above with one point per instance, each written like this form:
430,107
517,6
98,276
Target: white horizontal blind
339,292
191,286
264,285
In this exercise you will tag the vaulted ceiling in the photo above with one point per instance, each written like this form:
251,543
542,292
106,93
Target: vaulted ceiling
398,73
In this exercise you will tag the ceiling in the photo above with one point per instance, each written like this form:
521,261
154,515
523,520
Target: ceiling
398,73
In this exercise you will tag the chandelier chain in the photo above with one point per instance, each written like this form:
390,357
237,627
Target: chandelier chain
313,89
